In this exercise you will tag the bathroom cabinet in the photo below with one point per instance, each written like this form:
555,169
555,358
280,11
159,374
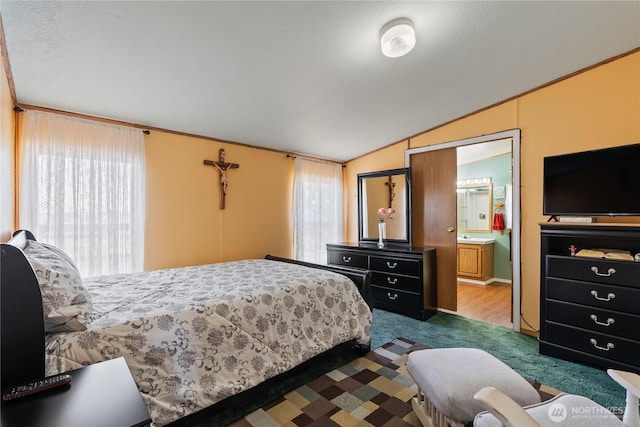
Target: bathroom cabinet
475,261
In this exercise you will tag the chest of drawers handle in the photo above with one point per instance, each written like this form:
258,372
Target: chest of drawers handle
394,296
394,265
392,282
346,258
594,342
608,298
610,321
607,274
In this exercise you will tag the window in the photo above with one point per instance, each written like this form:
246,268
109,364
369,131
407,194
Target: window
82,188
317,209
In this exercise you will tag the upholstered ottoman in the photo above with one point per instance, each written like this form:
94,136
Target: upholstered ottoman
448,378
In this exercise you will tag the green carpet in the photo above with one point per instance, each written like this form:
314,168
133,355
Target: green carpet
517,350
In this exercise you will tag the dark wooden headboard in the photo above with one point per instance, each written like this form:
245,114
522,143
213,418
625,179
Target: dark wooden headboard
21,318
362,278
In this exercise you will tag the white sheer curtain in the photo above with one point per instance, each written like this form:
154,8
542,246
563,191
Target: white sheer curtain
318,215
82,188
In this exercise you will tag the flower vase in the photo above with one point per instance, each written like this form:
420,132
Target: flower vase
382,233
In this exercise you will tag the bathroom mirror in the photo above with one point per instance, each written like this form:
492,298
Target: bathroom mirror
385,189
474,205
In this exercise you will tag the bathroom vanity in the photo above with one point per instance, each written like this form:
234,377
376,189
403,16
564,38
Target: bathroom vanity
475,260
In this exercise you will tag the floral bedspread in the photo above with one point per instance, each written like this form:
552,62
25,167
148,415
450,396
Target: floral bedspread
192,336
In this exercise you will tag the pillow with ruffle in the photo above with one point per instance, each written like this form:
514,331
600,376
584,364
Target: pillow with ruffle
65,301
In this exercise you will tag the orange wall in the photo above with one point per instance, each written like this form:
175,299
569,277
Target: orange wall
184,222
390,157
7,156
595,109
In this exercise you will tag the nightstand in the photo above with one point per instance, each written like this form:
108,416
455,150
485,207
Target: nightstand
99,395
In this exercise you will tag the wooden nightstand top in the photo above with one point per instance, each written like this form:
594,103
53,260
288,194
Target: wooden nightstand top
99,395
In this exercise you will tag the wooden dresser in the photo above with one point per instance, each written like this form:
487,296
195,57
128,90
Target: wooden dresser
590,307
402,280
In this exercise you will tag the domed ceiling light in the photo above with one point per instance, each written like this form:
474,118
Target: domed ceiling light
397,37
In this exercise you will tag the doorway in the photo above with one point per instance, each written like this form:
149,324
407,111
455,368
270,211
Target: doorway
484,224
447,254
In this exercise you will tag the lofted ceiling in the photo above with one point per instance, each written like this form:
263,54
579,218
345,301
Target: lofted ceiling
300,76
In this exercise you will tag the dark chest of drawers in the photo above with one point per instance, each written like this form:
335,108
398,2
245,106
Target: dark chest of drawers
402,280
590,307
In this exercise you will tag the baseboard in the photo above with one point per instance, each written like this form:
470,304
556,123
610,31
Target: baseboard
483,282
475,282
529,332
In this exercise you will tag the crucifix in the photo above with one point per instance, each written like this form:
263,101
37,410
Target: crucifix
392,189
223,167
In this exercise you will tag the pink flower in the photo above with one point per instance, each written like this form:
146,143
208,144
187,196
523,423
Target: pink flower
385,213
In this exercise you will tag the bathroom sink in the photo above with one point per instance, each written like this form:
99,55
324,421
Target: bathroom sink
475,240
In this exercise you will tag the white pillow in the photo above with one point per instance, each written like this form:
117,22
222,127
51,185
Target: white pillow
65,301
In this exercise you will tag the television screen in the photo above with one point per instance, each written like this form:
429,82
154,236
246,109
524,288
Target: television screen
593,183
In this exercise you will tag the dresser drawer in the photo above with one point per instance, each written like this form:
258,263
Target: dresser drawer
594,270
593,294
607,346
407,267
404,283
350,259
396,297
594,319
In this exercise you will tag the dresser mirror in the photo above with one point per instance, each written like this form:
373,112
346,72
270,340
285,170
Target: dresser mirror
474,205
385,189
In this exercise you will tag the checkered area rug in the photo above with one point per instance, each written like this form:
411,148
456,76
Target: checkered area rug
373,390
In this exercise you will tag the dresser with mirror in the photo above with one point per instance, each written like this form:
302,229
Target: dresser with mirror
403,277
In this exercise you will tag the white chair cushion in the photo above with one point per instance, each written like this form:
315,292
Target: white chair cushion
449,378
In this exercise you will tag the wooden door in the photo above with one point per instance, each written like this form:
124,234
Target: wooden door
433,177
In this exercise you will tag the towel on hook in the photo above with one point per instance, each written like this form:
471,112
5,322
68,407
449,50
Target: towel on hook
498,222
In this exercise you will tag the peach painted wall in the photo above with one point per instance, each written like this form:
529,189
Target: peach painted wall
184,222
7,157
390,157
595,109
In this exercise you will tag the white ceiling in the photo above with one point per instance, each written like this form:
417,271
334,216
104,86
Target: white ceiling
300,76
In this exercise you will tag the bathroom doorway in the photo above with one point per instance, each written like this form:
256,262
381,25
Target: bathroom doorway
510,217
484,224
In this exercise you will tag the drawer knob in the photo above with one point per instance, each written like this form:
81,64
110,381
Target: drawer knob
392,282
392,297
346,258
594,342
394,265
608,298
607,274
610,321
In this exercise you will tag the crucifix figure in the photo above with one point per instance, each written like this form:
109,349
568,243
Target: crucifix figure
223,167
392,189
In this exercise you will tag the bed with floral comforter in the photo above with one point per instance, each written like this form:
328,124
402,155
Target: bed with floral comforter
193,336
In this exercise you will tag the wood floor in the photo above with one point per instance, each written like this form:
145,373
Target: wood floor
490,303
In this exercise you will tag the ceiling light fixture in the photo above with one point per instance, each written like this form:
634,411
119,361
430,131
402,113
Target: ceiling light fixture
397,37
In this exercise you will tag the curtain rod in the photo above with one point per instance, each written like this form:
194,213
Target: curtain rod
19,109
315,159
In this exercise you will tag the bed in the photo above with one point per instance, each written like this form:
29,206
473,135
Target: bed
194,338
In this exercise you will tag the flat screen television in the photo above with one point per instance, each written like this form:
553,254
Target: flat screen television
602,182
